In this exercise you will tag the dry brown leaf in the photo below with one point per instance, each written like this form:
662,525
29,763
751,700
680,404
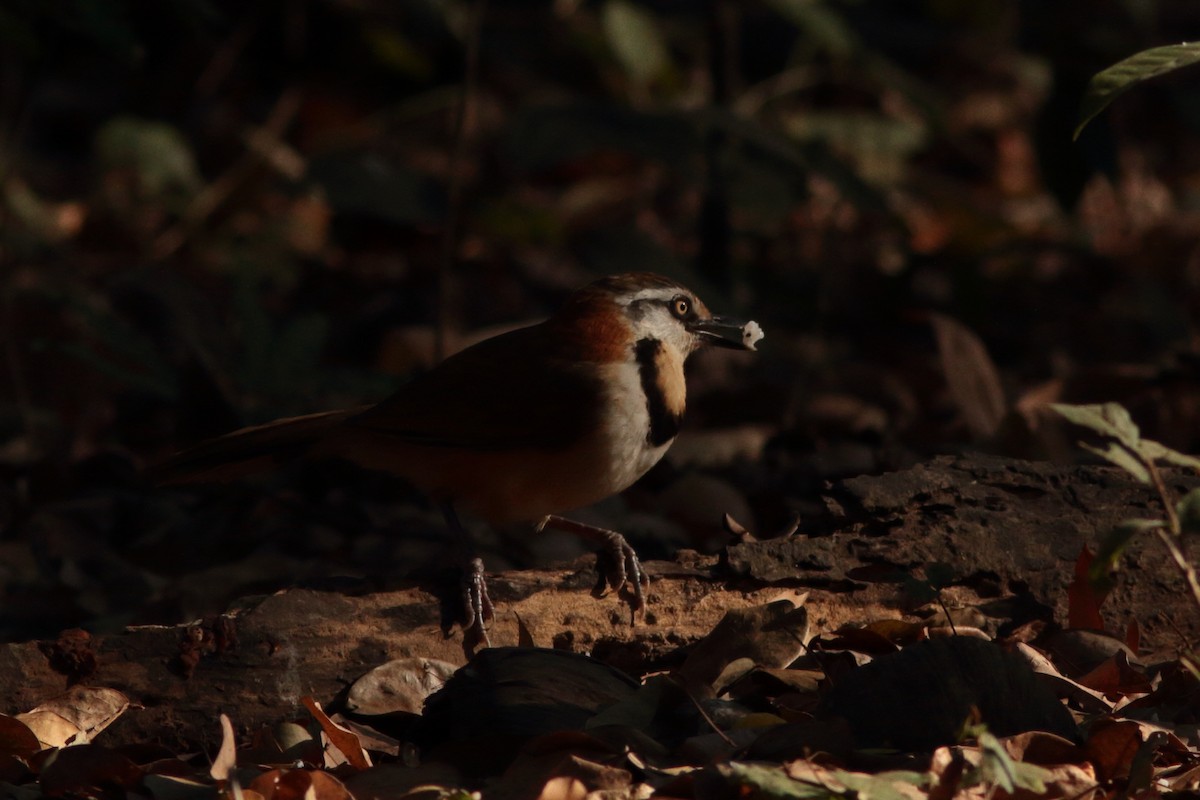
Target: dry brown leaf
1089,700
524,635
397,781
563,788
327,787
345,741
817,775
1078,651
771,635
1039,747
531,774
942,630
1115,675
226,758
860,640
971,376
370,739
399,685
1083,604
1067,779
299,784
76,716
1188,780
898,631
266,783
1070,780
16,738
1111,746
773,680
80,771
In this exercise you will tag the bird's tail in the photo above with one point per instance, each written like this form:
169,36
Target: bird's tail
248,451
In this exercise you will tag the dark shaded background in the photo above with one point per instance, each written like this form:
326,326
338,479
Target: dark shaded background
215,213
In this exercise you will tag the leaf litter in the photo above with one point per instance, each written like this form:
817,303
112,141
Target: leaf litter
762,706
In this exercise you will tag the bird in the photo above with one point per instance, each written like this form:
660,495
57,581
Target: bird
520,427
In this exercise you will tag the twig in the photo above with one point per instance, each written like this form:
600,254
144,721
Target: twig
1189,572
454,189
946,611
1163,495
703,714
790,81
214,195
1171,537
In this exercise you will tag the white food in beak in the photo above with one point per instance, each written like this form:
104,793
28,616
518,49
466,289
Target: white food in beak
752,334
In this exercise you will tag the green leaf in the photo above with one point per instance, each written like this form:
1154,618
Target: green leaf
1120,456
1108,419
635,40
772,782
1110,83
1189,512
158,154
821,25
1114,544
1154,451
881,786
997,767
880,146
1031,777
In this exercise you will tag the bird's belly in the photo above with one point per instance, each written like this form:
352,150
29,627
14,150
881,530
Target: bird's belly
515,486
526,484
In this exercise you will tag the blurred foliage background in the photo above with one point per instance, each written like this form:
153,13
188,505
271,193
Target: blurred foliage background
214,213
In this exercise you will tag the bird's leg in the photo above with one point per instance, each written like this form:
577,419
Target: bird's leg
476,605
625,568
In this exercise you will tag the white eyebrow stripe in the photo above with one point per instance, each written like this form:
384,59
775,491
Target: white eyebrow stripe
656,293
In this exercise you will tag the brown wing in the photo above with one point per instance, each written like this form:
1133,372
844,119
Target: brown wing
508,392
249,450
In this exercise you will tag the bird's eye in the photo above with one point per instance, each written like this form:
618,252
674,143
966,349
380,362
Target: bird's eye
681,307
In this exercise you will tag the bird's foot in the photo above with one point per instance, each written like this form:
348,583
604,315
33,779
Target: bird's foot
473,610
619,566
476,605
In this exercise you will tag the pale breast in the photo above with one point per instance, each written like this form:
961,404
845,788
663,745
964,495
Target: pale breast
626,425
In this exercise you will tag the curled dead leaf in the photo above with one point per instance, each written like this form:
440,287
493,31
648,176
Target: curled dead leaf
399,685
76,716
226,758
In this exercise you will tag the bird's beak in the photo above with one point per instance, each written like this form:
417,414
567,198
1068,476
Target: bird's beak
725,332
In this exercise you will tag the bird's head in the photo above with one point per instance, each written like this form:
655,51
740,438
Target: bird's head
621,310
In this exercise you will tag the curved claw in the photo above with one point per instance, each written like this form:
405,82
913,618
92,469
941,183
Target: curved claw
626,571
477,605
619,565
